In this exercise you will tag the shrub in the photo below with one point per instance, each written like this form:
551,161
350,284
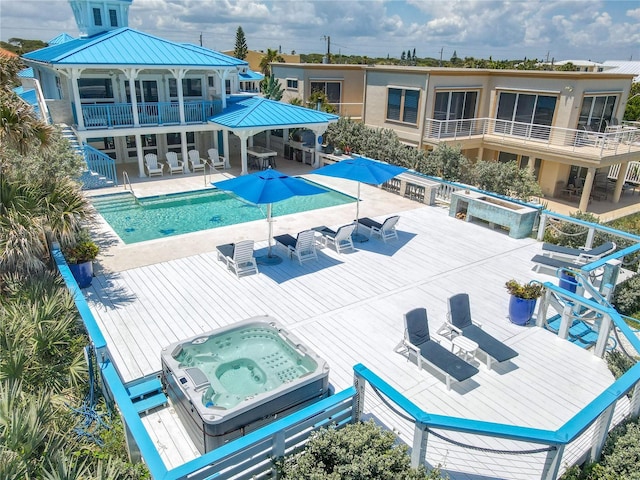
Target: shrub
626,296
618,363
357,451
528,291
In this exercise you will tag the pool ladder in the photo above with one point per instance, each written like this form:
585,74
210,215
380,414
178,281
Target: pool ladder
127,181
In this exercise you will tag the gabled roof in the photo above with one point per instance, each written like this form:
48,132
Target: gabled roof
62,38
126,46
260,112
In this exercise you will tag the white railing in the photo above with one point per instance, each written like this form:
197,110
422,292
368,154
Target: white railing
632,174
616,141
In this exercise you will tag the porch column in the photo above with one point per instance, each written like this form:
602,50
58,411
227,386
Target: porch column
75,75
183,150
223,87
317,132
140,154
132,74
586,189
243,151
622,175
179,75
225,145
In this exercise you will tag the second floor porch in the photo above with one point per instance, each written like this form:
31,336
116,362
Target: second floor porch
618,143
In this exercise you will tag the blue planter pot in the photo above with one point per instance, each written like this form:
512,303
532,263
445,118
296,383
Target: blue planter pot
521,310
83,273
568,282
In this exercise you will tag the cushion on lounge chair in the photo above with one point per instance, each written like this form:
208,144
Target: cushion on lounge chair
341,239
593,253
238,257
543,260
303,247
460,318
385,230
446,361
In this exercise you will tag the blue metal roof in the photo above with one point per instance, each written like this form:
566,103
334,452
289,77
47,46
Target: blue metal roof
126,46
261,112
26,73
62,38
250,76
29,96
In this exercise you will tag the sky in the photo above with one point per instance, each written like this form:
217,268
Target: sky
594,30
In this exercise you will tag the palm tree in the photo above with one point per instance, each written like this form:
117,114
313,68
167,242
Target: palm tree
270,57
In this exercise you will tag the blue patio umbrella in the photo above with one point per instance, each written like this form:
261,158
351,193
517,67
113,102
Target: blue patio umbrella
362,170
268,187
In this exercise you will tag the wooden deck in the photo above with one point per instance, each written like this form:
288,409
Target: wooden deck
348,308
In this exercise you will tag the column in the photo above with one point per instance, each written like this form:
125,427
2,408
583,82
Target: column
622,175
75,74
140,154
586,189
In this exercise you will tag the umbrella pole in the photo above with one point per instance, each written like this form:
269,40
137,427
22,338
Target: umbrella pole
269,259
358,237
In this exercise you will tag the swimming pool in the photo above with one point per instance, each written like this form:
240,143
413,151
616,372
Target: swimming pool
149,218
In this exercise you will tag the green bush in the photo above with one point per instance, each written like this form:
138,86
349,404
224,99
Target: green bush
618,363
626,296
357,451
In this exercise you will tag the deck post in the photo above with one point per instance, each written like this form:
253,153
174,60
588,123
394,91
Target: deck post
542,226
603,335
358,399
279,445
565,323
600,432
552,464
419,448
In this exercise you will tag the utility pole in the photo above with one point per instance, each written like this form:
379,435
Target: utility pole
200,38
441,49
328,39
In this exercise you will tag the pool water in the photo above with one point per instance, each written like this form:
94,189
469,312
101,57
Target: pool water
149,218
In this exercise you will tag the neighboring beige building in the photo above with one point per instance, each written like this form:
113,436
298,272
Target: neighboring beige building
564,126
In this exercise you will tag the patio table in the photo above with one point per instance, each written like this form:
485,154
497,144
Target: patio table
264,157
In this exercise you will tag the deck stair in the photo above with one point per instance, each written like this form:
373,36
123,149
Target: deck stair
89,179
147,395
580,332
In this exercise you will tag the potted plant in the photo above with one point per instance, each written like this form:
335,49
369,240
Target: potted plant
80,255
523,300
568,280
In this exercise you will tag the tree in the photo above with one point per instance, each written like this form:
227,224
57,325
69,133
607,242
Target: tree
269,57
402,57
632,112
241,49
272,89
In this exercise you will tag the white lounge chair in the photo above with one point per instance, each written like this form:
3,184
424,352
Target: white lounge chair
341,239
238,257
385,230
216,160
152,164
418,342
197,163
175,165
303,247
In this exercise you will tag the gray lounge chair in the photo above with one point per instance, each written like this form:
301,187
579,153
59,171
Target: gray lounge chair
238,257
426,350
341,238
553,263
459,322
576,254
303,246
385,230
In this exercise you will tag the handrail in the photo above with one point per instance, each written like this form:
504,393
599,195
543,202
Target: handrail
125,181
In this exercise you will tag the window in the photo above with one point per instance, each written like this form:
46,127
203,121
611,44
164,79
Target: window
292,84
113,18
402,105
453,106
191,87
146,91
92,88
97,17
597,111
227,87
525,114
174,143
333,91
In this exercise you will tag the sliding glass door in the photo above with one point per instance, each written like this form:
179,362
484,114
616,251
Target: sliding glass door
525,114
456,106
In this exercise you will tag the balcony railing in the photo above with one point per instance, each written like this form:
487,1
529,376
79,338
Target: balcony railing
616,141
118,115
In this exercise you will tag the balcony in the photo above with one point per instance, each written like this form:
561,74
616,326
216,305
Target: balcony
120,115
619,141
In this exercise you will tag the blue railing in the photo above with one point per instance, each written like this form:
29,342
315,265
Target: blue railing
118,115
100,163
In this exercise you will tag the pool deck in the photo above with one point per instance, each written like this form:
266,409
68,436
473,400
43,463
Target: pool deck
348,308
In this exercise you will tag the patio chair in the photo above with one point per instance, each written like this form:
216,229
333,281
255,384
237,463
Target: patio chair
175,165
417,341
459,322
238,257
341,238
197,163
152,164
578,255
303,246
385,230
216,159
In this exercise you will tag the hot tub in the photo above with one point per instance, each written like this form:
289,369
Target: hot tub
229,382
